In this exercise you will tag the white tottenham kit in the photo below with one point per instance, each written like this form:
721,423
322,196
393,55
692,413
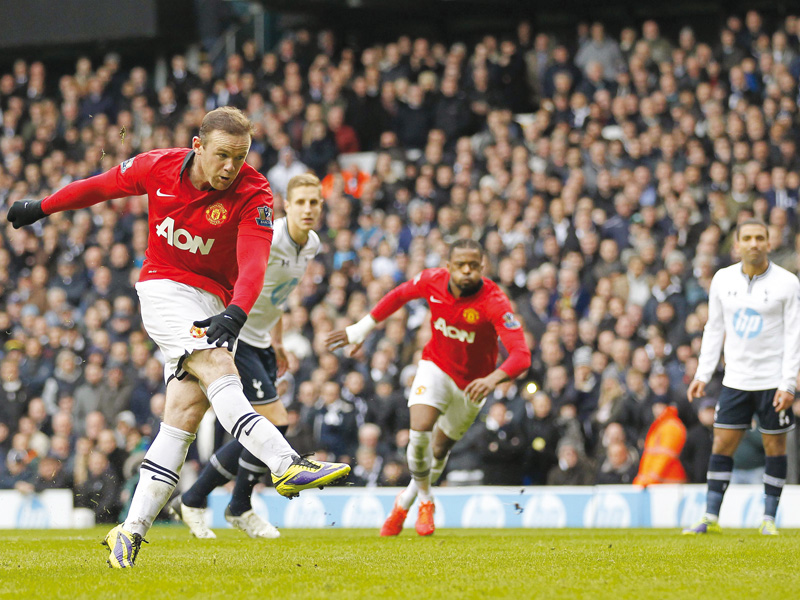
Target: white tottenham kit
759,321
286,267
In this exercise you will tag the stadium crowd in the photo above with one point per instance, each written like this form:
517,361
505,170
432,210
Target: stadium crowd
603,175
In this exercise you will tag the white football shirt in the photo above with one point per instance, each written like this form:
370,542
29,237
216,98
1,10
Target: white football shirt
758,321
286,267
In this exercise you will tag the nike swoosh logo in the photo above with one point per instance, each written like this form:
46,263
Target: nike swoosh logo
435,300
158,193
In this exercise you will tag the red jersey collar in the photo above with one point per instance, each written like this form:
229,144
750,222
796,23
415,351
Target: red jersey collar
187,160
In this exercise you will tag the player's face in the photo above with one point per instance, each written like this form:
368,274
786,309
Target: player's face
753,244
466,269
304,206
221,158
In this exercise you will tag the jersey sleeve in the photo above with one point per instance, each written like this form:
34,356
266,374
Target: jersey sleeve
257,216
252,255
713,334
508,328
254,242
403,293
791,337
126,179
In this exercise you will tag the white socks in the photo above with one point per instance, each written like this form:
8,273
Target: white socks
420,457
438,467
252,430
408,495
158,476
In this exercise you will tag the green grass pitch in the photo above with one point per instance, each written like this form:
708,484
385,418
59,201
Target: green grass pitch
455,563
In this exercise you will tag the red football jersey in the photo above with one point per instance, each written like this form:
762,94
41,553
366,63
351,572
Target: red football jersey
193,233
465,330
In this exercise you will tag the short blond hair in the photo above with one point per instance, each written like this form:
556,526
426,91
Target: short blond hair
225,118
300,181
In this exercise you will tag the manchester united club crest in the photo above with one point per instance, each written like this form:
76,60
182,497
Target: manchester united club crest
420,390
471,315
216,214
198,332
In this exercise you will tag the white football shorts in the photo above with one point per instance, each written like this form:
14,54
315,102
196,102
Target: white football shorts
169,310
434,387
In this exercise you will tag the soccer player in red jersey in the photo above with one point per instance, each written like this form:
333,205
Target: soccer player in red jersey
457,370
206,206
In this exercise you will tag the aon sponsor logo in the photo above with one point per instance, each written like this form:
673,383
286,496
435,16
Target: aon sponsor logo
182,239
454,333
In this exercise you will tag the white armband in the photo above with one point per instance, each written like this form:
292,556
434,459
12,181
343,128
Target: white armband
358,332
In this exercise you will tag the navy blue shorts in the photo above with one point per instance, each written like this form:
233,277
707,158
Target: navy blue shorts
735,410
258,369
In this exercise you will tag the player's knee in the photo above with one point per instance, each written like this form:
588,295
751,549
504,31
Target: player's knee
184,409
774,445
209,365
723,447
221,358
441,450
726,441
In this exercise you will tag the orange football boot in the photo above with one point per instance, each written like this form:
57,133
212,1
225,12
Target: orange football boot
394,522
425,524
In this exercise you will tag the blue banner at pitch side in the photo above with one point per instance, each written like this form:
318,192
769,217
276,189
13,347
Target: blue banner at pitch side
486,507
512,507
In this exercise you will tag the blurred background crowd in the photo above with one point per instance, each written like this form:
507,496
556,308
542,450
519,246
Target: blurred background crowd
604,173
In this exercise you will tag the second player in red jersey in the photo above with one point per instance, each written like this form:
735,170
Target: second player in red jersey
464,329
457,370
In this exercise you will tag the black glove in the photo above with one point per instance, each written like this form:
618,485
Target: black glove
25,212
224,327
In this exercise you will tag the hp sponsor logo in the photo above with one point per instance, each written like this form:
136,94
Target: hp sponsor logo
747,323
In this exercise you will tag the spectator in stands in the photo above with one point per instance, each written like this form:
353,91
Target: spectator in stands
368,469
88,395
13,395
99,489
147,385
503,444
602,49
65,380
573,467
541,438
334,421
287,167
666,437
699,439
51,474
619,467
